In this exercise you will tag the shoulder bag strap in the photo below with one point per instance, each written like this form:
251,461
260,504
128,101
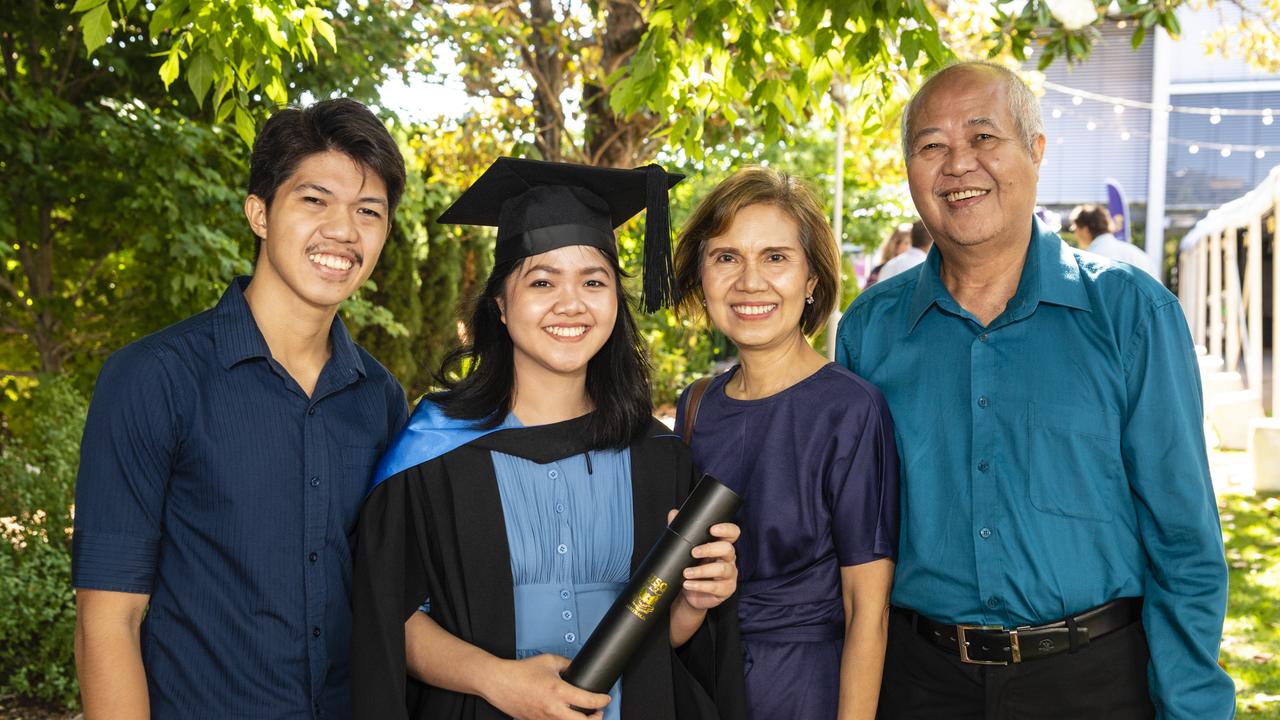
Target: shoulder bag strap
696,392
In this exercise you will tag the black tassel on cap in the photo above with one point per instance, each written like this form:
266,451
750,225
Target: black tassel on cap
659,272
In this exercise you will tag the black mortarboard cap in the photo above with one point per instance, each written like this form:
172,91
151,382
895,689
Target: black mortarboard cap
539,206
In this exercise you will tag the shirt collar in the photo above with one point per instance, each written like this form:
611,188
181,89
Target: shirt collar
238,338
1050,274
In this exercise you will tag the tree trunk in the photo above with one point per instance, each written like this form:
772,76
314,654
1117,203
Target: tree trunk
612,140
547,67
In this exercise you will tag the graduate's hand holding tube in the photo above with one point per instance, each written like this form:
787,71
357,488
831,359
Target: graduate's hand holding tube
532,689
706,584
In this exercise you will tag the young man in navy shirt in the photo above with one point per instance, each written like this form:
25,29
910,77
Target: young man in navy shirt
225,458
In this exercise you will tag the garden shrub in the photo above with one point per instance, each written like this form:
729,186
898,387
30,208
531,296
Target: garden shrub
37,605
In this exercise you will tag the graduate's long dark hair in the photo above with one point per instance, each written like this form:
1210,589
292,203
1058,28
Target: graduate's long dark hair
617,376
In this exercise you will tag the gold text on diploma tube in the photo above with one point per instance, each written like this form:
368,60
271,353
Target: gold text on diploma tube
643,604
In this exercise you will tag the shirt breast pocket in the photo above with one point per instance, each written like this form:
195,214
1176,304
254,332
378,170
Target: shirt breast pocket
1075,465
358,461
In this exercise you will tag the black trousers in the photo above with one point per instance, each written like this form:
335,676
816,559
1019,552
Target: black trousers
1106,680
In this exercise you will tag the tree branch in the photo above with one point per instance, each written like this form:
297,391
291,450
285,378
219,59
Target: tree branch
93,270
73,44
20,373
13,290
10,64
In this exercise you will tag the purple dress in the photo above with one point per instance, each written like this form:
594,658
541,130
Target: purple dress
817,468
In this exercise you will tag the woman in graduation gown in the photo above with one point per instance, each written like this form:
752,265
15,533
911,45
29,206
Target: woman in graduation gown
510,513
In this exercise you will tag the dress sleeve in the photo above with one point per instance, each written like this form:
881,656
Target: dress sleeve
385,591
126,455
862,483
1163,447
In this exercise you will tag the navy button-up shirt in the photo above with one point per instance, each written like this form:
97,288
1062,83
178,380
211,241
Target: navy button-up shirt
211,482
1053,460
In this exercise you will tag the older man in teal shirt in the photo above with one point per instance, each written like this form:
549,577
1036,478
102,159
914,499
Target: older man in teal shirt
1058,514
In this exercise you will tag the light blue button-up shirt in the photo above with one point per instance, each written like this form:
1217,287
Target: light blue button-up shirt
1053,460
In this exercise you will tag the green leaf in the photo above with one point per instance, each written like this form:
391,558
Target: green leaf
169,70
245,126
276,91
224,110
823,41
96,24
1046,57
326,31
165,17
220,92
200,75
810,15
87,5
1139,34
910,47
1150,18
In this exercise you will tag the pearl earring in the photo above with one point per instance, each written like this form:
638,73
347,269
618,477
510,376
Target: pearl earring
809,300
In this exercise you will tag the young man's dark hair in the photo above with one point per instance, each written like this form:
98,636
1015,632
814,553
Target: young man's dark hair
340,124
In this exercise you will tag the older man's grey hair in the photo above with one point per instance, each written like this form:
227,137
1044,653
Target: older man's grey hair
1024,106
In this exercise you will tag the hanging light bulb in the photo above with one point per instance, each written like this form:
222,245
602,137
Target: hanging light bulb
1092,125
1118,109
1267,119
1193,149
1057,113
1125,135
1225,152
1215,118
1259,153
1076,99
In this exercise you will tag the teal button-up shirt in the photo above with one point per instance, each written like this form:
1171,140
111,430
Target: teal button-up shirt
1053,460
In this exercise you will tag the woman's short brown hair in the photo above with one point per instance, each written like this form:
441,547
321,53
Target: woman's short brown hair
757,185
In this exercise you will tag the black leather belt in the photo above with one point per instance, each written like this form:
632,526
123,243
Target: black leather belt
994,645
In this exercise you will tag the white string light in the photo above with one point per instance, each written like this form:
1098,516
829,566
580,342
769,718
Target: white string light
1267,116
1078,96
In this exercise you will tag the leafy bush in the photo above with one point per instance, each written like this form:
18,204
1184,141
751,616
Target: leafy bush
680,351
37,605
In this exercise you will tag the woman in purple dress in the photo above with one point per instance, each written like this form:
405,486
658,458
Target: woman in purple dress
808,444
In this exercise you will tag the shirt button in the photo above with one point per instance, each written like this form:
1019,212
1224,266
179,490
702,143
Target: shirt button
983,466
313,557
315,632
985,533
567,615
982,337
559,507
553,474
570,637
562,548
982,401
564,594
993,602
311,411
315,481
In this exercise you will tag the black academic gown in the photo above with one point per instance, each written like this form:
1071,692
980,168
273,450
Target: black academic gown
436,531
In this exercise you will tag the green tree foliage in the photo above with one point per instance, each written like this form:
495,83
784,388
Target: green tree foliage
235,53
37,480
122,210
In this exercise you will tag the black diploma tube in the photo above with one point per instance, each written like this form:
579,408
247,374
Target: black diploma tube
652,589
